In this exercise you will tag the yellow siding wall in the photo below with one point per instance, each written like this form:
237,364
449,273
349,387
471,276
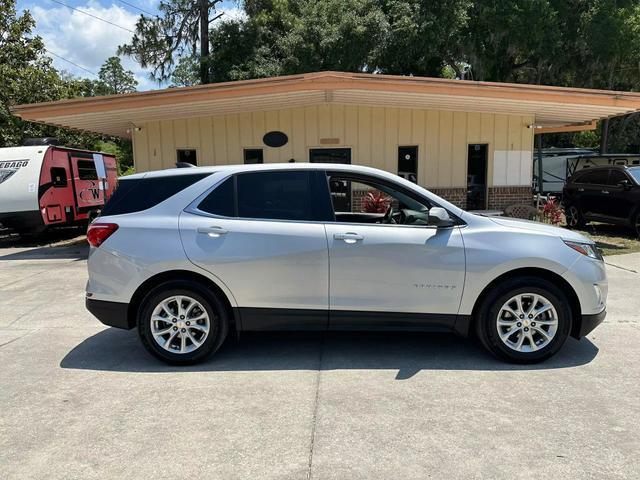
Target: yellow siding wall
372,133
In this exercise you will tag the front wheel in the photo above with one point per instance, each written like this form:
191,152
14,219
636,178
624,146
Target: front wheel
524,320
182,322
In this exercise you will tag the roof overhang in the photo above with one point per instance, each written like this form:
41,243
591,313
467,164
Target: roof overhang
553,108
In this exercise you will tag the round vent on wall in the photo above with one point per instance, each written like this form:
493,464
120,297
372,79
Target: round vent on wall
275,139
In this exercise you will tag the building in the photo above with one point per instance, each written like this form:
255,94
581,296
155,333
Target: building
470,142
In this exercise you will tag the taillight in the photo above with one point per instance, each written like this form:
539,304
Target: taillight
99,232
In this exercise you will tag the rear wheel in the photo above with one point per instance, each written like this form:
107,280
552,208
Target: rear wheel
524,320
636,224
574,217
182,322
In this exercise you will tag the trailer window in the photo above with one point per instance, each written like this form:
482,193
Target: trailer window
58,177
87,170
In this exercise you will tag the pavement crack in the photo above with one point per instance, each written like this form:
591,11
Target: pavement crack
16,339
621,268
314,418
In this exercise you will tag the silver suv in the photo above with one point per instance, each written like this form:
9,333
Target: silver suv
189,255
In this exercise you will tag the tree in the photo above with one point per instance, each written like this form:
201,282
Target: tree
114,79
182,29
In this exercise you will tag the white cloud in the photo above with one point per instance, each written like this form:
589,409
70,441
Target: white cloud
88,41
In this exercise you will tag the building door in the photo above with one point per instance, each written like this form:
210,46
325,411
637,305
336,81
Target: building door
477,177
341,190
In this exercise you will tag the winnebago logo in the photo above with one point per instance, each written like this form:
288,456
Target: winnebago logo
8,168
90,193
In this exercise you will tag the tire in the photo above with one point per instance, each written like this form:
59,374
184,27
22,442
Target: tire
197,303
636,224
574,218
494,320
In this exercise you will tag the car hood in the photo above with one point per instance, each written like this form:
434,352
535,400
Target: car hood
542,228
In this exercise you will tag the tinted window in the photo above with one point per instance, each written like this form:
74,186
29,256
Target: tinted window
635,173
58,177
135,195
616,176
220,201
87,170
275,195
597,177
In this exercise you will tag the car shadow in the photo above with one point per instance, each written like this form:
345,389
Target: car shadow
116,350
79,251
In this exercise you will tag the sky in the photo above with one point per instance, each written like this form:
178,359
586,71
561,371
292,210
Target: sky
87,41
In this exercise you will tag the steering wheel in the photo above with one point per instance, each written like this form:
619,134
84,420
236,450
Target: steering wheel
388,216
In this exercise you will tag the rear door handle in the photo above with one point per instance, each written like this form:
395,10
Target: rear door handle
213,231
581,189
348,237
606,192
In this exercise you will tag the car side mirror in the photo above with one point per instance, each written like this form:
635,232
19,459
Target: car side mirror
440,218
624,184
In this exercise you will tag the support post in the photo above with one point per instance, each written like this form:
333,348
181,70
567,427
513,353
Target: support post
604,138
540,169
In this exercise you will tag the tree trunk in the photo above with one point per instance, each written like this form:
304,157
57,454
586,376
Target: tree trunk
204,41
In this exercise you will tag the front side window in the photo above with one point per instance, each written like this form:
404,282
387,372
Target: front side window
275,195
635,173
615,177
359,200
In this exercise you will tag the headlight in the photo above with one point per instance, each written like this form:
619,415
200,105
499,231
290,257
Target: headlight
588,249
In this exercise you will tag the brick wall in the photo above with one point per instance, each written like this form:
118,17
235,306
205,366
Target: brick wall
501,197
455,195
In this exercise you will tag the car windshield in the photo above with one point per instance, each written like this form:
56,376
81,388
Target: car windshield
635,173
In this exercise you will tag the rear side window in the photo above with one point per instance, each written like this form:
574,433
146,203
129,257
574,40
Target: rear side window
275,195
221,200
616,176
595,177
136,195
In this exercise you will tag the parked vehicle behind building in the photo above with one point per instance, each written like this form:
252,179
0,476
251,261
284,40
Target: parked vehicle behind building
187,255
46,185
604,194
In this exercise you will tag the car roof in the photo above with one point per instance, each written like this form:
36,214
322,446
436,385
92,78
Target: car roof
259,167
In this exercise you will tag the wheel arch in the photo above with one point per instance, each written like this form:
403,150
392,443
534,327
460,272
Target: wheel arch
160,278
561,283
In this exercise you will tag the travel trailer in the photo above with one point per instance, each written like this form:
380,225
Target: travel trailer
45,185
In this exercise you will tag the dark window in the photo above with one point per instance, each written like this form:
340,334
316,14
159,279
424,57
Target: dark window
135,195
253,155
58,177
408,163
87,170
616,176
275,195
187,156
594,177
221,200
330,155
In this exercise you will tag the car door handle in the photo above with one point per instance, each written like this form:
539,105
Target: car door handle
606,192
213,231
348,237
581,189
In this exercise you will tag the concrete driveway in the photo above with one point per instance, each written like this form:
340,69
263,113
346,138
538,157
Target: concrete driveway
82,401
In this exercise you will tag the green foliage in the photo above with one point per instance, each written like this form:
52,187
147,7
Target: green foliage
181,29
114,79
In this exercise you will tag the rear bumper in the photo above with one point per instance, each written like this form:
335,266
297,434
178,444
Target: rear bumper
589,322
113,314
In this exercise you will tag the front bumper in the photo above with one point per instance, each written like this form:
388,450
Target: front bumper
113,314
589,322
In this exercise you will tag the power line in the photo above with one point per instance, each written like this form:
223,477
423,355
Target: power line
72,63
93,16
138,8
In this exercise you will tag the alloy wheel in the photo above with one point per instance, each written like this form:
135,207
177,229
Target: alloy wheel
572,216
527,322
180,324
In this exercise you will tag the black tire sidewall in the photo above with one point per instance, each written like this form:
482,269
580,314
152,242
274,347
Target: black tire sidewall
488,329
214,307
579,218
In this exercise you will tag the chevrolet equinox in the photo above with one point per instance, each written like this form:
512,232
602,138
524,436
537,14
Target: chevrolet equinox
188,255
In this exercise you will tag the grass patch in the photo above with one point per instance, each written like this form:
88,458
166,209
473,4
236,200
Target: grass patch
612,239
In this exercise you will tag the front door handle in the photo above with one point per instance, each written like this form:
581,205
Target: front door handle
213,231
348,237
581,189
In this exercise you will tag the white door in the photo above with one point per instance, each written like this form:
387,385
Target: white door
273,261
405,272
